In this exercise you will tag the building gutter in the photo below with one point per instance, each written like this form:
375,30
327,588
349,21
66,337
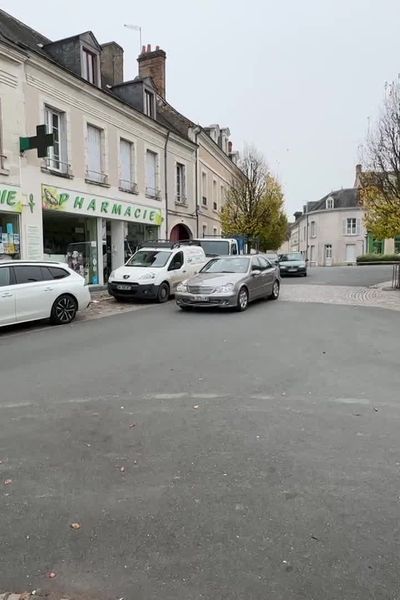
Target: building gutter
166,182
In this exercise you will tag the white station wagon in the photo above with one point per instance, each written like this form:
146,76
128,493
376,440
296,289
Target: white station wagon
30,291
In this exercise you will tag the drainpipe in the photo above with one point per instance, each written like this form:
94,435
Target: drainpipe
196,132
166,183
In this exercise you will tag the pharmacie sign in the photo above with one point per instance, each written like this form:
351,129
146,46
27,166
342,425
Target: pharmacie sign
10,199
73,202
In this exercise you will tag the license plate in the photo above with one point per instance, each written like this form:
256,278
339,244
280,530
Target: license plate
123,287
292,269
200,298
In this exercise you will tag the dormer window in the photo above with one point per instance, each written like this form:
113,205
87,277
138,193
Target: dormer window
89,66
330,203
149,104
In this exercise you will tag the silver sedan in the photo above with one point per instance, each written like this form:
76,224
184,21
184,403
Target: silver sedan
230,282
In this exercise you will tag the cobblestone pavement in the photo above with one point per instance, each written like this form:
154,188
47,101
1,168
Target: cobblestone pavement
345,295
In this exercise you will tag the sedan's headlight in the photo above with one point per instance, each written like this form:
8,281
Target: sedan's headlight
182,288
148,276
225,289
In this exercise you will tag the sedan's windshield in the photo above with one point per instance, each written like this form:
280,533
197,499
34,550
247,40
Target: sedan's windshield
292,257
226,265
149,258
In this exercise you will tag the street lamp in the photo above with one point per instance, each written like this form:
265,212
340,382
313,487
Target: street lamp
136,28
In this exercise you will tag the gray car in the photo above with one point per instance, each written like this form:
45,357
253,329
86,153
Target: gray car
230,282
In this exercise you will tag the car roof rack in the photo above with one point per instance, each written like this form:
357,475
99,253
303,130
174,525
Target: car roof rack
167,244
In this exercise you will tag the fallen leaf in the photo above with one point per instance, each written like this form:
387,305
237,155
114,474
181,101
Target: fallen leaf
122,469
132,425
8,481
75,525
196,406
375,410
52,575
313,537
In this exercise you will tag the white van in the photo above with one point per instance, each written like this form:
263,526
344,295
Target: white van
155,271
217,246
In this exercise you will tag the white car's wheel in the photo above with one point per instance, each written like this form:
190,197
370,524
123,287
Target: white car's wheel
64,310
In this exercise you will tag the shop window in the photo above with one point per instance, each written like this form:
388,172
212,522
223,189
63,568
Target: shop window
127,171
57,154
9,236
152,175
137,234
95,155
397,244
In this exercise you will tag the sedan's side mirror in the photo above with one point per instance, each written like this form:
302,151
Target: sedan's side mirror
255,272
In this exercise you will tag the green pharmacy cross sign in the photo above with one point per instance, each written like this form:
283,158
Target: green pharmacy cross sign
41,141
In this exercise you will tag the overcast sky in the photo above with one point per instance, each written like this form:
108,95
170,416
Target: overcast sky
296,78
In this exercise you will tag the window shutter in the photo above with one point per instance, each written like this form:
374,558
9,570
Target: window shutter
126,162
94,151
344,226
358,227
151,170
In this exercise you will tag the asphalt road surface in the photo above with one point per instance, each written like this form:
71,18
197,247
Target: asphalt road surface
204,455
357,276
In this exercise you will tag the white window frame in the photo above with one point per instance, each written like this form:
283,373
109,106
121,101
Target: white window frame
149,103
180,183
91,75
313,229
150,191
215,195
127,185
204,229
330,203
204,189
57,162
92,176
350,230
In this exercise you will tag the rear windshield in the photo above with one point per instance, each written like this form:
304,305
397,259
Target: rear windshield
149,258
215,247
226,265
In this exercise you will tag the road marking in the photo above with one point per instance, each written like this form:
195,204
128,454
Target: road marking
362,401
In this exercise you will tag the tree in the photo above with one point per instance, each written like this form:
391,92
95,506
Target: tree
254,204
380,183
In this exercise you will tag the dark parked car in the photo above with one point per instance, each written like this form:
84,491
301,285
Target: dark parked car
293,263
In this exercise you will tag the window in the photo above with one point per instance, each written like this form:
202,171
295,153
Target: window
222,195
313,229
149,104
215,199
155,259
126,157
89,66
50,273
328,251
2,156
312,252
151,174
5,276
330,203
215,231
204,189
397,244
180,183
95,155
28,274
351,227
304,233
204,230
176,262
56,154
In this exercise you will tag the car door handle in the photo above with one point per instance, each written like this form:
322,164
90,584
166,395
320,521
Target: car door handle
7,295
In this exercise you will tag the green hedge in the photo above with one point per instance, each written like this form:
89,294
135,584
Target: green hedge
378,258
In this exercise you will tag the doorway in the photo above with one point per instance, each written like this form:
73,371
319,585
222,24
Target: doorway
180,233
350,254
328,255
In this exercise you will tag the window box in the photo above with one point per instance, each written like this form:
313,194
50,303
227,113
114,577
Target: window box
130,187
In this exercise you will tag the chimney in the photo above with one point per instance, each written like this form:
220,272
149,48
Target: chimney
152,64
359,172
111,64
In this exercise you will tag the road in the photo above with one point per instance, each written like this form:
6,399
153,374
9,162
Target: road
363,275
205,455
